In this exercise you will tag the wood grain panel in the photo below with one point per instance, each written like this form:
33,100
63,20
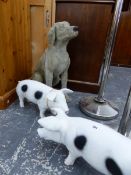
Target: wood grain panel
40,22
37,38
122,49
14,55
53,12
87,50
88,1
6,42
36,2
15,45
126,5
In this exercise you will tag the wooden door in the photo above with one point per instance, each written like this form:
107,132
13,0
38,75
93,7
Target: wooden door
122,49
17,32
41,18
14,49
86,51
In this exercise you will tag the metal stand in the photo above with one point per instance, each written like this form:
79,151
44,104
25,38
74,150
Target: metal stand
98,107
125,123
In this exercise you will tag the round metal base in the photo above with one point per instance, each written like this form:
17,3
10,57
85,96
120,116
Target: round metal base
99,110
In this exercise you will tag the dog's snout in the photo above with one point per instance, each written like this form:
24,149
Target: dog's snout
75,28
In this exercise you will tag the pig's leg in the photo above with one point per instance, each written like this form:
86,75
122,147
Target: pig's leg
21,99
42,107
42,111
70,159
49,135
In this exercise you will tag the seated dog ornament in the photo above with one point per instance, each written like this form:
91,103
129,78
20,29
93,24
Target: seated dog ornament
54,62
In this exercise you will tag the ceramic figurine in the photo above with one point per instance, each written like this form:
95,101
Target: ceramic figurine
54,62
103,148
42,95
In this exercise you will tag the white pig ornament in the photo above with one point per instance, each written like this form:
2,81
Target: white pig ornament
103,148
42,95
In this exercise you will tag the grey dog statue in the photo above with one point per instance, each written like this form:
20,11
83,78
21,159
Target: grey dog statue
54,62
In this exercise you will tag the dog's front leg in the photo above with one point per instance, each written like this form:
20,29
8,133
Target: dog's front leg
48,78
64,78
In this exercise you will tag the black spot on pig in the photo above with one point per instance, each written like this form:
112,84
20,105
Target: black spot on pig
24,88
112,167
80,142
38,95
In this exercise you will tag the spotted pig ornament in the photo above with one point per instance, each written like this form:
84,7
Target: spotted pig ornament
42,95
103,148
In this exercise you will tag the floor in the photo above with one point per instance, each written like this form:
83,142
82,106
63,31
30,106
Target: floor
22,152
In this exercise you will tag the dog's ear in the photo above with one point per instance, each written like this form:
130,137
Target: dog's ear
52,36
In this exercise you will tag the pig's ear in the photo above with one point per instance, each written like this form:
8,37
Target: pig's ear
51,96
51,123
66,91
59,112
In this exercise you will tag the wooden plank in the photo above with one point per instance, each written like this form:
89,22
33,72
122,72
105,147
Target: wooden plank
37,33
126,5
53,12
40,23
15,43
27,39
37,2
88,1
122,50
7,98
83,87
14,49
7,47
50,9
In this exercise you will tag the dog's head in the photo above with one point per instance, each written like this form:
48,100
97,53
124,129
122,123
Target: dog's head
61,31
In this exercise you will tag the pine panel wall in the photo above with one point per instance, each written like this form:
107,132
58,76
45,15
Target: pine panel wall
18,41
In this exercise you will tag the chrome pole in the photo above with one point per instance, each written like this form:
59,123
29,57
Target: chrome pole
109,47
98,107
125,123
